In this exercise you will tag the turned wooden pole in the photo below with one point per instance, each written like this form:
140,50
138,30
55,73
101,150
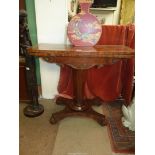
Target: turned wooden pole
79,77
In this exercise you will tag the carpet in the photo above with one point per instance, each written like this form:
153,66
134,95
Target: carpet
121,138
82,136
36,135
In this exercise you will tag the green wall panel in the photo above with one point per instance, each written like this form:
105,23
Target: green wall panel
30,8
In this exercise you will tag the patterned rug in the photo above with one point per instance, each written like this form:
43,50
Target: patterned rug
121,138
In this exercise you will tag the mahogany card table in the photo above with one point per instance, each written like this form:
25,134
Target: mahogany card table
80,59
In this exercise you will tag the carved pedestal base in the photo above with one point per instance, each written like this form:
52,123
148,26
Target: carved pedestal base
33,111
64,101
71,109
79,106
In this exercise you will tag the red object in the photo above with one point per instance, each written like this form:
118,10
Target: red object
110,81
84,29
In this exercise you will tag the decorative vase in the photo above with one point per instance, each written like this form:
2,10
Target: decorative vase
84,29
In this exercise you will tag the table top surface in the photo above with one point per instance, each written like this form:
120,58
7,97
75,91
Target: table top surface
44,50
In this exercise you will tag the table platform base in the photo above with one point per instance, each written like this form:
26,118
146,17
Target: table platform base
71,109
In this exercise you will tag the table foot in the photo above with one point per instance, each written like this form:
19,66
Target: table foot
33,110
100,118
90,113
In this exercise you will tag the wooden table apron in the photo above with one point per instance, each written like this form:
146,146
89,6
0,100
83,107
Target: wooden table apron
80,59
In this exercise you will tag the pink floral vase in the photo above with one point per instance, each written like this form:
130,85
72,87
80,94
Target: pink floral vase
84,29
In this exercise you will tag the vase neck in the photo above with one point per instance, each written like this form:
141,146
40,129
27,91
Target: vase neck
85,6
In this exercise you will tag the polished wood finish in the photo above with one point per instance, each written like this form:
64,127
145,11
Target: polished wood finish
80,59
22,4
113,51
23,90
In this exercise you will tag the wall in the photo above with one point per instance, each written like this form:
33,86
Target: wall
117,13
75,5
51,20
